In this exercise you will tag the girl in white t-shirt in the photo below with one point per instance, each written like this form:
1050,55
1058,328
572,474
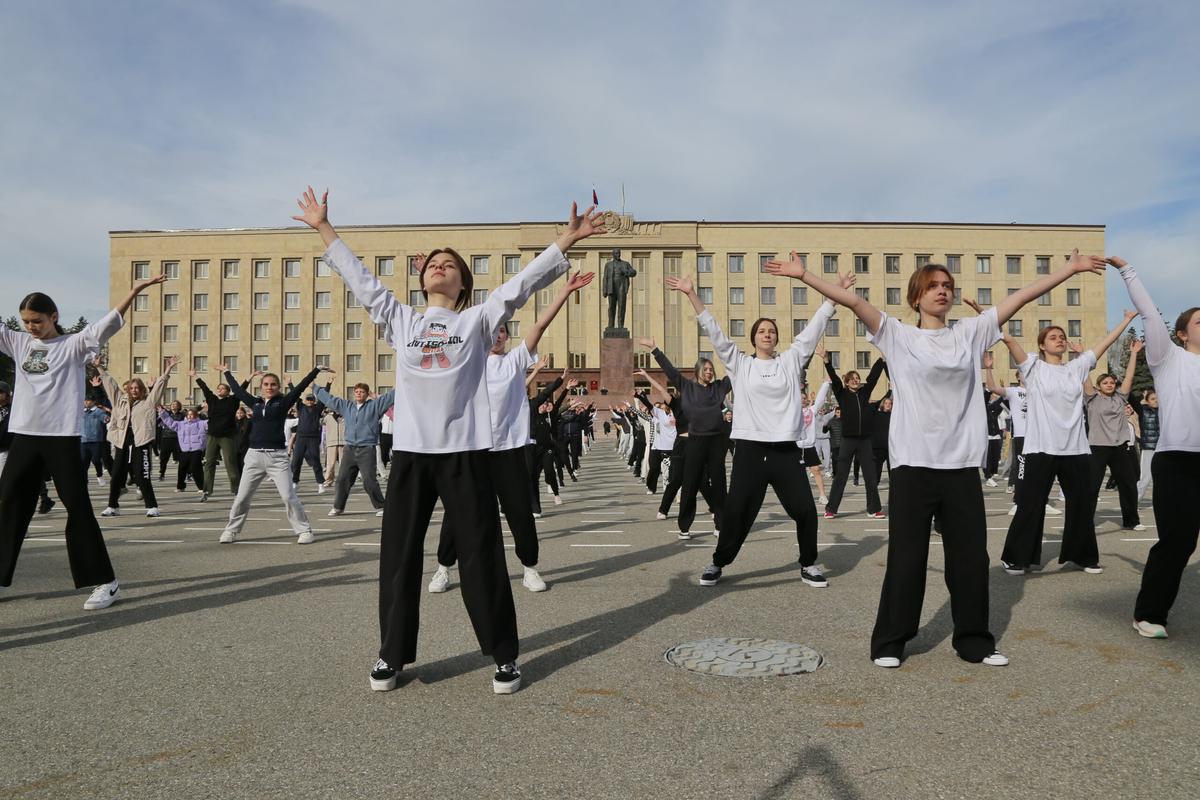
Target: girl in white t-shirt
937,442
443,434
1056,445
46,426
1176,463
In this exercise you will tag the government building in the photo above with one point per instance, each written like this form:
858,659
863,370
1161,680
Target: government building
263,299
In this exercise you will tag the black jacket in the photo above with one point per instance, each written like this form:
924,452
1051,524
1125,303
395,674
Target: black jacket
269,416
702,405
857,411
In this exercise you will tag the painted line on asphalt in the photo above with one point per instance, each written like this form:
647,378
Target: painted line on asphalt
697,545
598,531
362,544
601,545
1139,540
41,526
314,530
836,544
283,543
204,529
153,541
45,538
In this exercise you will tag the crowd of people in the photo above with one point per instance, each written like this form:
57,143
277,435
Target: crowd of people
468,424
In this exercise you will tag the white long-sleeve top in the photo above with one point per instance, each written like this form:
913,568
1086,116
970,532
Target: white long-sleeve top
50,377
809,439
1176,374
441,391
508,396
769,406
664,431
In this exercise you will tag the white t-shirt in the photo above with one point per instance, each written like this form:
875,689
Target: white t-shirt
1017,408
1054,424
508,398
809,439
50,377
664,430
441,390
938,415
289,427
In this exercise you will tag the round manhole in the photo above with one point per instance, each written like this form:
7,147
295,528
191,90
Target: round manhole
734,657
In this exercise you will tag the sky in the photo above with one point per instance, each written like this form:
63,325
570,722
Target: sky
148,115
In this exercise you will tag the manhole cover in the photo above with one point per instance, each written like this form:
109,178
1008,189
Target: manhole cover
734,657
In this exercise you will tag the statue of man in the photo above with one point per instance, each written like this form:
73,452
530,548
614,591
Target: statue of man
616,288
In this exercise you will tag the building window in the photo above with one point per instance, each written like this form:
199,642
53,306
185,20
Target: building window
923,260
1044,299
514,327
230,301
139,365
1010,292
737,327
141,303
262,363
479,265
291,299
351,300
262,301
353,330
200,302
414,266
735,262
262,332
862,264
835,358
1074,328
141,333
141,270
321,268
291,331
862,359
798,326
766,295
231,363
891,265
763,258
512,265
1043,324
831,328
291,363
170,302
1043,265
229,333
957,297
1072,297
323,331
864,293
321,360
893,296
170,333
385,265
324,299
983,296
704,262
1014,265
199,333
737,295
579,360
171,270
954,264
291,268
860,328
353,363
416,299
829,264
262,268
229,269
983,265
479,296
199,270
799,295
705,354
383,362
381,331
1014,327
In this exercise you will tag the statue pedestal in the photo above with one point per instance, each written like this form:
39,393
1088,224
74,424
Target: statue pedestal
616,371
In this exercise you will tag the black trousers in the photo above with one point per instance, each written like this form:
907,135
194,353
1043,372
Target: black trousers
1036,474
1018,447
93,453
992,465
638,454
546,463
704,457
955,497
134,462
852,446
512,490
167,448
1117,459
575,447
655,468
881,458
1175,474
28,459
190,463
757,465
472,520
675,478
385,447
307,448
532,473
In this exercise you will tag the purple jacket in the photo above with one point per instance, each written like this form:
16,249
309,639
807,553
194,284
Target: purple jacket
191,434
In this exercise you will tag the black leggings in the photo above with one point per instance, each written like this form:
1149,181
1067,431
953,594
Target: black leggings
655,469
852,446
704,457
1176,475
167,447
190,463
508,472
133,461
1117,459
675,478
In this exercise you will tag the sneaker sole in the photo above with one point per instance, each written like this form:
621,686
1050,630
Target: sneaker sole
541,588
384,685
704,582
684,536
88,606
1141,632
816,584
886,662
509,687
435,590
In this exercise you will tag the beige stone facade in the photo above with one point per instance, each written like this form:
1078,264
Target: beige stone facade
261,297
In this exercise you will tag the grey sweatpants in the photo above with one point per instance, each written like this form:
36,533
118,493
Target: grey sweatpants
262,464
357,460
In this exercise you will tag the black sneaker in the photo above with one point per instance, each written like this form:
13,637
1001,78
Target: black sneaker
507,679
383,677
45,506
710,576
813,577
1013,569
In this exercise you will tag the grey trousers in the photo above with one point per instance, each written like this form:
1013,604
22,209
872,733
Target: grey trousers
357,460
262,464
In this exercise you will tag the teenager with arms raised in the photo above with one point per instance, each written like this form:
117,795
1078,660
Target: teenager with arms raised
45,425
936,445
443,432
1108,435
1176,463
131,433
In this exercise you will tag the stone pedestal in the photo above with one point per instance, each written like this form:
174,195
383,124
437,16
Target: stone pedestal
616,371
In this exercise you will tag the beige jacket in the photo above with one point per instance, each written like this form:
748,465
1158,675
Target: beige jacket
335,430
140,416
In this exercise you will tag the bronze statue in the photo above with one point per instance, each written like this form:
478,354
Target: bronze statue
616,288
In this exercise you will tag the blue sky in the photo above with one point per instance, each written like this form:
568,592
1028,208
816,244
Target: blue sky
129,115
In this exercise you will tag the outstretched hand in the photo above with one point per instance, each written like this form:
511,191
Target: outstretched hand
1130,316
647,342
142,285
1136,346
313,213
1094,264
681,283
581,226
988,360
577,281
847,279
1117,262
974,305
793,268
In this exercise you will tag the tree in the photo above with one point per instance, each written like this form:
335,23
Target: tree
1119,360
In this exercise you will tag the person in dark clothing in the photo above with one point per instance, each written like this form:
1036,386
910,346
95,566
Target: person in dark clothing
854,400
879,434
242,424
993,405
220,408
306,439
535,451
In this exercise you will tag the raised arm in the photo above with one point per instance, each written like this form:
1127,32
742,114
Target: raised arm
873,377
1100,347
834,379
160,384
1135,347
544,361
574,284
870,316
989,378
1075,265
1014,348
209,397
238,390
167,420
658,387
338,404
137,289
664,363
291,397
1158,336
822,393
548,391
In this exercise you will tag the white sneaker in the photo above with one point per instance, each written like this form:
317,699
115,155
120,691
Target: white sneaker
320,488
1139,527
227,537
305,538
153,512
440,580
660,515
1012,512
1051,511
558,501
649,492
887,662
1149,629
100,480
334,512
1009,489
532,581
996,660
111,512
295,487
537,515
991,482
103,596
823,500
379,513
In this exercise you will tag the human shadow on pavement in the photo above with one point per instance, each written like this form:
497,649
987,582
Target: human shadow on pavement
816,764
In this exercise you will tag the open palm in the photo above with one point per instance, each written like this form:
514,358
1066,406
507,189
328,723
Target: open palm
313,213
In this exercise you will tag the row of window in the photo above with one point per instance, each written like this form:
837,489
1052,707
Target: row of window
736,262
231,301
766,295
737,327
291,364
231,268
